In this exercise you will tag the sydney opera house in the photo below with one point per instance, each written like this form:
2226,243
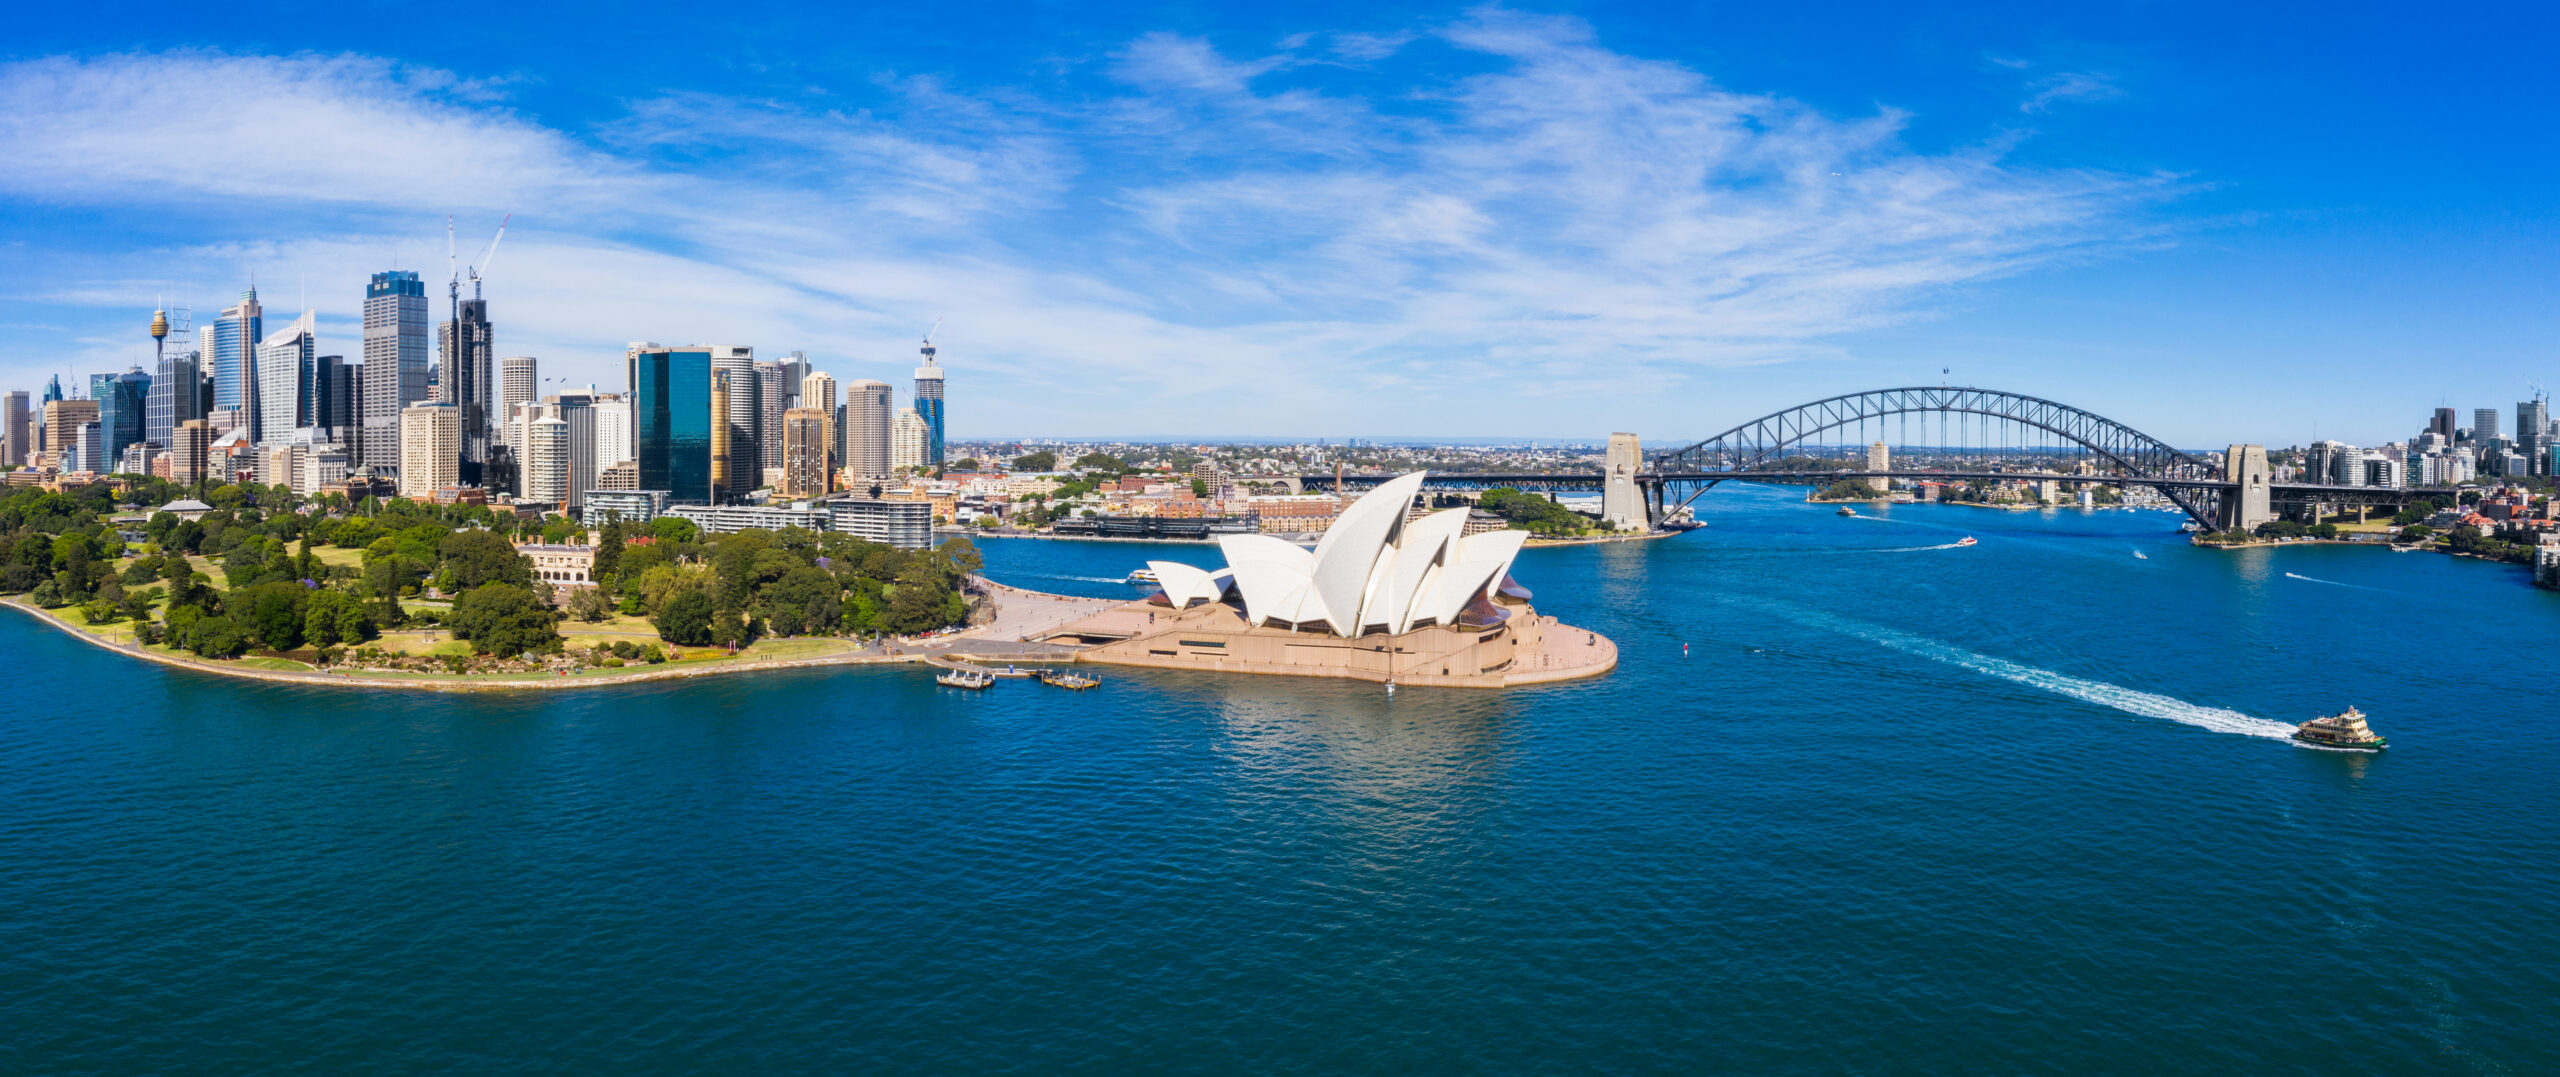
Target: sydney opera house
1389,594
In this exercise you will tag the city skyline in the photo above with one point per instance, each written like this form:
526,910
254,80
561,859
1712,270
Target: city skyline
1511,216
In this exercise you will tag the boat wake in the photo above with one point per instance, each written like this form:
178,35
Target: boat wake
2114,696
2332,583
1086,579
1911,549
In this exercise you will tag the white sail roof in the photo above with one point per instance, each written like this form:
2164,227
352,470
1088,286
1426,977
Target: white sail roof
1372,568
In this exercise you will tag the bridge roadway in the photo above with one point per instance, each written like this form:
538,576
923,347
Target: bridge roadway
1592,480
2294,495
2237,491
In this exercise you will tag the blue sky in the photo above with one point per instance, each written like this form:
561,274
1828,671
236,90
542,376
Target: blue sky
1367,220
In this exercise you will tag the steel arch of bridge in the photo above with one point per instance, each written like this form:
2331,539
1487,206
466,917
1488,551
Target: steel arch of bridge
2132,454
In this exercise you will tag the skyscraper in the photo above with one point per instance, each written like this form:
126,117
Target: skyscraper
15,441
395,361
910,440
579,472
741,409
796,368
233,356
63,420
333,398
518,383
865,429
2442,424
818,390
284,382
775,386
2484,423
2533,418
804,453
190,443
430,449
466,382
671,421
546,461
173,396
613,433
737,463
929,405
122,399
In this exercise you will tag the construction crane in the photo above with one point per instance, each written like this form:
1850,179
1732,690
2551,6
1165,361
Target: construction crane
481,270
928,339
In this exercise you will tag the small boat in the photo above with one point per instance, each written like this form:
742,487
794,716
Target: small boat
2344,730
2141,556
1965,541
964,678
1846,511
1144,575
1062,679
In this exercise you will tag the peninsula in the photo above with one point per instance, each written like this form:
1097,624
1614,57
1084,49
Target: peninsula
421,597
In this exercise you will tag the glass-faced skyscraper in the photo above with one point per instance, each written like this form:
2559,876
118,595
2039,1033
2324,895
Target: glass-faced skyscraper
173,397
467,380
671,421
395,361
284,382
929,406
122,399
235,355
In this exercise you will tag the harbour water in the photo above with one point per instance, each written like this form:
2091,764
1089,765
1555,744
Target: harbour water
1854,800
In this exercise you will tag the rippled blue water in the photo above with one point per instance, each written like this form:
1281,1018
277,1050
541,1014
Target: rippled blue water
2015,807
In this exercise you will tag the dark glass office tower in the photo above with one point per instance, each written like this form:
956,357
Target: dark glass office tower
173,397
123,400
671,422
333,398
467,380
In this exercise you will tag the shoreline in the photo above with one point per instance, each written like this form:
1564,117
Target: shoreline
419,682
944,655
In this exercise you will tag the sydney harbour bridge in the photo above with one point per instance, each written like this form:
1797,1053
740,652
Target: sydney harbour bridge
1977,434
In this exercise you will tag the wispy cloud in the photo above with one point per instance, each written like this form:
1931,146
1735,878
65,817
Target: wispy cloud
1205,226
2070,86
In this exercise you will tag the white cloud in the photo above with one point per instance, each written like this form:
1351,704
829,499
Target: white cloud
1216,229
2070,86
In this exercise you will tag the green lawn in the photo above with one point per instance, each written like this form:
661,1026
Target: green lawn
793,649
273,663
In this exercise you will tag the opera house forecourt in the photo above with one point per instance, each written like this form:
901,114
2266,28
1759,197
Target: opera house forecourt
1386,596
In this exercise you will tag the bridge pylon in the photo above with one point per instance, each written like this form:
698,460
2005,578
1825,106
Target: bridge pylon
1621,503
2248,503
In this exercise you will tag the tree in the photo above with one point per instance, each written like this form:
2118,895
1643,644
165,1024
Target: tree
674,529
965,463
478,557
589,604
730,629
271,612
609,554
1199,487
505,619
1043,460
805,599
1100,461
686,619
216,637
